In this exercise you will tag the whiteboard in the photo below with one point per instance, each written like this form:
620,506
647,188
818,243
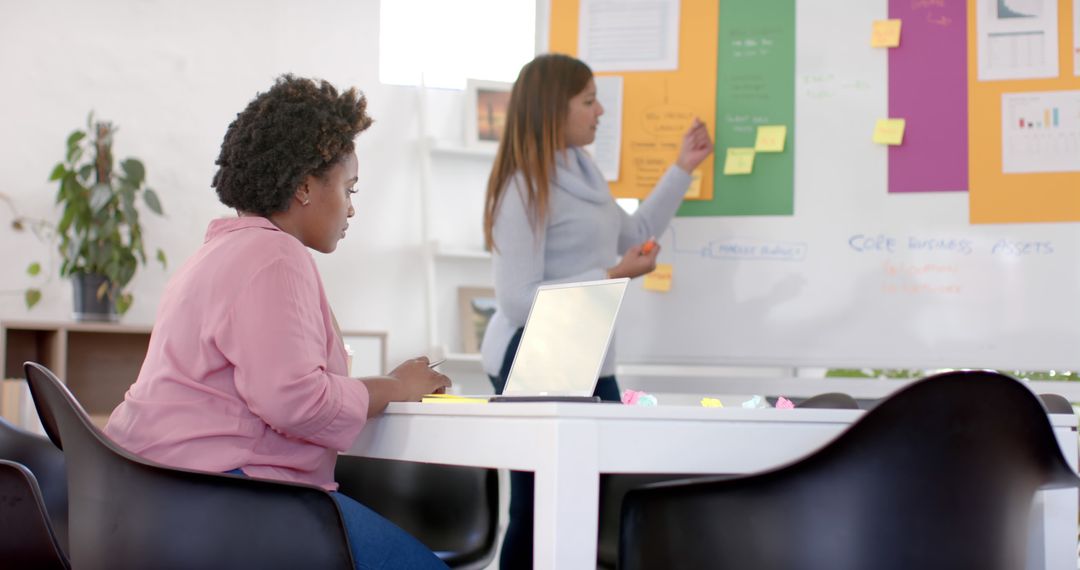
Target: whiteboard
857,277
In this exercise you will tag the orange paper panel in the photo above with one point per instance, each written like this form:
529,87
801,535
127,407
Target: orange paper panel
996,197
658,106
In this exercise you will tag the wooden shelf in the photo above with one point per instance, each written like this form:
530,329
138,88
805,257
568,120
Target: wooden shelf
97,361
463,357
449,252
449,148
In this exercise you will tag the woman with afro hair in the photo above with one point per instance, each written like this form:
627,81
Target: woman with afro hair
246,372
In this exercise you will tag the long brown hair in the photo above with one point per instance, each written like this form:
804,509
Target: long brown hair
535,119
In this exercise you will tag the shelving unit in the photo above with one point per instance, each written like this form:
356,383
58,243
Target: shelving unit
452,258
449,148
460,253
97,361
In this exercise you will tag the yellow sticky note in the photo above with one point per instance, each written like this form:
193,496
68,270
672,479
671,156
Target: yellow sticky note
739,161
770,138
660,279
711,403
885,34
889,131
695,185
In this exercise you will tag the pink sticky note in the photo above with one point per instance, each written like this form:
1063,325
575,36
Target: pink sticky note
783,403
630,397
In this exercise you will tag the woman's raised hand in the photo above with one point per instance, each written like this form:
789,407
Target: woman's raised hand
697,145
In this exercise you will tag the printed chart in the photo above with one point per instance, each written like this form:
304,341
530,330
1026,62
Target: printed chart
1040,132
1018,39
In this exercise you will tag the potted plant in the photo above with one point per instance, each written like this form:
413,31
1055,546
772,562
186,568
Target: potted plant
99,235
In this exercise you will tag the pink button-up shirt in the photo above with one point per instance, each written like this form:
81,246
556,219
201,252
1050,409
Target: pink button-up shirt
245,368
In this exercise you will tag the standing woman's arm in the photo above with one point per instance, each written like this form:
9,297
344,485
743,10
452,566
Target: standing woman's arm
656,211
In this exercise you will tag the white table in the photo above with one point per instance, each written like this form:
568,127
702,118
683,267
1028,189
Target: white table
569,445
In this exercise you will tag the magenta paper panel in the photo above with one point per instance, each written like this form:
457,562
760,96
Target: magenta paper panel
928,88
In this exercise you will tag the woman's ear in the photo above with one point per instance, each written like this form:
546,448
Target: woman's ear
303,195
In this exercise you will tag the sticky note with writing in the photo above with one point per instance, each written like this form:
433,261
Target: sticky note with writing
660,279
889,131
886,34
739,161
770,138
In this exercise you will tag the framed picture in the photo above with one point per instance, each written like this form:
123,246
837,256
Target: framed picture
486,103
475,307
366,351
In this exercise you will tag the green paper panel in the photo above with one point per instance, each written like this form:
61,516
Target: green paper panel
755,86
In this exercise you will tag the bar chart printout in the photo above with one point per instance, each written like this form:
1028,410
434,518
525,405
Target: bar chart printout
1040,132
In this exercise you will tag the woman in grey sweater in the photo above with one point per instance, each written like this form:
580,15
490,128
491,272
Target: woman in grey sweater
549,217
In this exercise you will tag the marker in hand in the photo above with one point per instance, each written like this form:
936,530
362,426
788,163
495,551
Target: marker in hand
648,246
436,363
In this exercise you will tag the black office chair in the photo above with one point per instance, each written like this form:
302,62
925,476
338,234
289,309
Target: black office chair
127,512
452,510
27,539
1056,404
46,463
940,475
613,488
830,400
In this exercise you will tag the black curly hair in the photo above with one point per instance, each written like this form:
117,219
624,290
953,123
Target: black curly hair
299,128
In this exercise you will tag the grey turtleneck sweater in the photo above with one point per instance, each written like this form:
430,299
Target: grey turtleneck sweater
585,233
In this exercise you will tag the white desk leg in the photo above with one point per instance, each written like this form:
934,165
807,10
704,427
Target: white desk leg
567,495
1052,540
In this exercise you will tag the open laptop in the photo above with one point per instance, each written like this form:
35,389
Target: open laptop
566,338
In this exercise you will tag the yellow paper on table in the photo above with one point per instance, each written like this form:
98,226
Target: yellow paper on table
889,131
451,399
739,161
886,34
695,185
770,138
660,278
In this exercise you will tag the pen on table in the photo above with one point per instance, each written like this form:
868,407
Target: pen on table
436,363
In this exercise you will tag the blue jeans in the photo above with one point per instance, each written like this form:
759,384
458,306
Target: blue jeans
376,543
517,546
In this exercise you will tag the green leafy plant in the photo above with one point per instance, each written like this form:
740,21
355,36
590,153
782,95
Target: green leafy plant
99,232
41,228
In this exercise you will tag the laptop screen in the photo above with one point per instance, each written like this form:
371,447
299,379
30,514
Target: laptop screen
566,338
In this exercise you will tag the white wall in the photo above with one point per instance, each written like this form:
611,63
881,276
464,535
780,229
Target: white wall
173,75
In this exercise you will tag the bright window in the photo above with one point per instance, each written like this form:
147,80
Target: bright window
445,42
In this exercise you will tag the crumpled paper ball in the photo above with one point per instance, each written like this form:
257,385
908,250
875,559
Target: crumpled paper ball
638,398
758,401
